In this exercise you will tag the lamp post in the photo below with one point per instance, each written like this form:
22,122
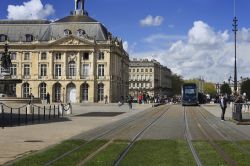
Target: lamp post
235,25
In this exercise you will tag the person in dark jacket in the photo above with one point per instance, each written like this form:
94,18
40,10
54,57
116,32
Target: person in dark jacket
223,105
48,98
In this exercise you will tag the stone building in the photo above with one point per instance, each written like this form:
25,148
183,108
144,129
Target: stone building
74,59
149,77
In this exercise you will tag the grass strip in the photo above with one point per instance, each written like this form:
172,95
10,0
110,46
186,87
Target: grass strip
159,152
108,155
242,158
208,154
80,154
45,156
245,144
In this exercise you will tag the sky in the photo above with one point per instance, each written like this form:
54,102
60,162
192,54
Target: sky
193,38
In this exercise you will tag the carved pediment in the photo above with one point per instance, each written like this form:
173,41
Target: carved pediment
71,40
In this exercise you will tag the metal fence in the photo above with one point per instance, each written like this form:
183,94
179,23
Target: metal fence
32,114
241,112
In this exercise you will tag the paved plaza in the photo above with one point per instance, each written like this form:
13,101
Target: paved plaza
17,141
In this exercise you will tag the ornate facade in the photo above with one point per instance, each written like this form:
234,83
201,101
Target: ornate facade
149,77
74,59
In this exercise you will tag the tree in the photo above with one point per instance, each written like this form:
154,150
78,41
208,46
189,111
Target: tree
177,82
225,89
245,88
210,89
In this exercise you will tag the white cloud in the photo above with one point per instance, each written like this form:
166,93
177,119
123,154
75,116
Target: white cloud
152,21
164,37
33,9
205,52
125,45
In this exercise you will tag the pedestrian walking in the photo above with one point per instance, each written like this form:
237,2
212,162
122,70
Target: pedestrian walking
48,98
223,105
129,100
106,99
31,98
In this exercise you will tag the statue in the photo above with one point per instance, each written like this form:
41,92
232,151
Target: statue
6,60
81,6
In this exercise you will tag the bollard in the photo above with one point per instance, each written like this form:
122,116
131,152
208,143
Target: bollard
58,111
49,111
38,114
32,110
19,117
43,112
54,111
26,115
3,119
11,117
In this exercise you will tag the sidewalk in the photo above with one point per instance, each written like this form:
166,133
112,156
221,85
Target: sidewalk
17,141
216,110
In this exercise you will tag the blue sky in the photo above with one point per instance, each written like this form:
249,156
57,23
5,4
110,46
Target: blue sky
182,25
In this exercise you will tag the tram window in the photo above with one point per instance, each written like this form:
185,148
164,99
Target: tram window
189,91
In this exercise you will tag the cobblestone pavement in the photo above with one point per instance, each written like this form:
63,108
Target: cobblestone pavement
17,141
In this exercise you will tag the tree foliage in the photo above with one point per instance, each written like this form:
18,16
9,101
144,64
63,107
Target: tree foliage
245,88
177,82
225,89
210,89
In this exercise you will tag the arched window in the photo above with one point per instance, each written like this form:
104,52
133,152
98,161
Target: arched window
100,92
29,38
3,38
72,69
42,89
26,90
57,92
67,32
85,92
80,32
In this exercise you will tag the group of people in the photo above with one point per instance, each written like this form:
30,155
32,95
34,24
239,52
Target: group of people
223,104
31,97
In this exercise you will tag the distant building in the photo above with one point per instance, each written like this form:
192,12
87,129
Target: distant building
149,77
74,59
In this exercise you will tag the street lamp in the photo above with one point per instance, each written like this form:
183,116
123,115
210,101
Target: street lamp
235,25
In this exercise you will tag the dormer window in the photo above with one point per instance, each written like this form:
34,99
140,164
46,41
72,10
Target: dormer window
67,32
80,32
3,38
29,38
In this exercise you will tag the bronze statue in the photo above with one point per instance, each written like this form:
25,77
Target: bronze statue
6,60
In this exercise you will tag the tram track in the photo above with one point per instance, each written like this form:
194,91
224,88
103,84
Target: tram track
188,138
210,138
116,129
230,137
137,137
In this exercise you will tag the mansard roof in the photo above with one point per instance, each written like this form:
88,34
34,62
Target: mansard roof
24,22
44,30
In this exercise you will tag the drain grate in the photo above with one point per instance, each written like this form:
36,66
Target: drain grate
33,141
101,114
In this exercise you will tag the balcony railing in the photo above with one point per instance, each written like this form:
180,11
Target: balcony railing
26,77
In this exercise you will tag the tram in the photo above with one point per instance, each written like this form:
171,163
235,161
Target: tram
189,94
